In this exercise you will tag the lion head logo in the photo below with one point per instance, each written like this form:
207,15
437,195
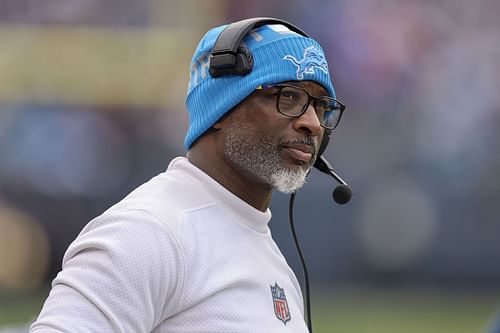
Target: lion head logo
312,58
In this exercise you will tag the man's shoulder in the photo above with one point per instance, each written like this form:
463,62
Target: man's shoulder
165,197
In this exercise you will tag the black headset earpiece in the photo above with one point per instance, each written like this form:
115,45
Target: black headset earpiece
228,56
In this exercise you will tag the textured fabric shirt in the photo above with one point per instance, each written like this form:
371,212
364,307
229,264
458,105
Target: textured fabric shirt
179,254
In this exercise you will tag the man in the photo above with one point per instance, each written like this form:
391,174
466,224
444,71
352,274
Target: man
190,250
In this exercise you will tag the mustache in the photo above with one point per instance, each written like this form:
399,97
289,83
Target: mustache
305,141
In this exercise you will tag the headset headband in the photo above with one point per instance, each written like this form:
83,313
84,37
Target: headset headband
228,57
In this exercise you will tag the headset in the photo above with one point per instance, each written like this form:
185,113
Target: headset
229,56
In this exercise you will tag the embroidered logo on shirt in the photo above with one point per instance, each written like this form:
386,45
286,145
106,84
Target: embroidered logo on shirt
280,304
312,58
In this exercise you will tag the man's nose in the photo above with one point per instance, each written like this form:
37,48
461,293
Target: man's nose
309,122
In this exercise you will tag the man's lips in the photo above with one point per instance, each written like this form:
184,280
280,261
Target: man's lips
299,152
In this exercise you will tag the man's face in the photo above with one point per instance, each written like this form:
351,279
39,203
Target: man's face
273,148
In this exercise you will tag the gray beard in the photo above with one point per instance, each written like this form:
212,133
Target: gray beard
260,156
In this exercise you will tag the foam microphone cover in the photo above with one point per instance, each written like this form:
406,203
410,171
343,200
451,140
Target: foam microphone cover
342,194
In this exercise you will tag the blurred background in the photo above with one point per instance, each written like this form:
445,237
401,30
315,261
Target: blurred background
92,105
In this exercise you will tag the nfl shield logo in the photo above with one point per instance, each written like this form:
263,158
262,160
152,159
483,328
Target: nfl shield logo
280,304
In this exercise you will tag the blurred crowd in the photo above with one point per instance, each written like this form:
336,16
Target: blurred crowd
91,105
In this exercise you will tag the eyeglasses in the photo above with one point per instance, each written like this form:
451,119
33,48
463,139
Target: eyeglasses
293,101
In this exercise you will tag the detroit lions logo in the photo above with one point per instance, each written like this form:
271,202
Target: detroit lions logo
312,58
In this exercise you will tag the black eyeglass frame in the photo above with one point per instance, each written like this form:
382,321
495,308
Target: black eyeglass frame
341,107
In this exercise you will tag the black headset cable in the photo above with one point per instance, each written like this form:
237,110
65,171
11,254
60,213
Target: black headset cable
307,294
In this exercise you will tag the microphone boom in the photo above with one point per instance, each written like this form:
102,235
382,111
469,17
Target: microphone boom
342,194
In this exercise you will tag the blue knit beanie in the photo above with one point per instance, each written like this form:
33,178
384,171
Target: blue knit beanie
278,55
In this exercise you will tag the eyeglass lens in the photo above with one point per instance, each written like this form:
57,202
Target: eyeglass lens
294,101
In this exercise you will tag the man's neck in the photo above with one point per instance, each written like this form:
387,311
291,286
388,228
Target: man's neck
245,186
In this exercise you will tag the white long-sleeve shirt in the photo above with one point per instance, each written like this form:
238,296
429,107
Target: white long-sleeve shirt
179,254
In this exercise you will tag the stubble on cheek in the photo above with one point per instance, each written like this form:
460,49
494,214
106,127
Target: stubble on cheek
260,155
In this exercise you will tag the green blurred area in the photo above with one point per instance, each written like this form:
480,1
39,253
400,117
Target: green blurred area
20,307
403,311
349,310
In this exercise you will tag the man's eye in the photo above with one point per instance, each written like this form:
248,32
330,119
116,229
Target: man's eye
289,96
321,104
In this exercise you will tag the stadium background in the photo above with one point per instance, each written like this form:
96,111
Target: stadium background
91,105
